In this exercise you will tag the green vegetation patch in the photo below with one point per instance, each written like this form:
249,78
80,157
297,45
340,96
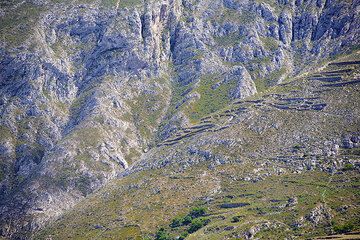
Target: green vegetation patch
171,214
263,84
181,227
127,3
213,96
16,25
232,15
229,40
148,108
275,5
5,133
270,43
87,137
345,228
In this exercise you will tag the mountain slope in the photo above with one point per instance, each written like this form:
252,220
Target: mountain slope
92,91
301,187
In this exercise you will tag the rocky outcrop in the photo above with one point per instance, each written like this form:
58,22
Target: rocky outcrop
319,215
251,233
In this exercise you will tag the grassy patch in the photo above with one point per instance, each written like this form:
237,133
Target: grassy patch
213,97
263,84
175,209
232,15
127,3
16,25
147,109
88,137
5,133
229,40
270,44
345,228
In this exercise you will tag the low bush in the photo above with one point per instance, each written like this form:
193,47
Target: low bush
344,228
197,223
183,235
162,234
177,222
235,219
197,212
348,167
187,220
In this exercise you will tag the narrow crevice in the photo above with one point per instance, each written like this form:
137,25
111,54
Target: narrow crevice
142,27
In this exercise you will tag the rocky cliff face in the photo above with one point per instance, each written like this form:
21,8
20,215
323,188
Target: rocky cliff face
89,87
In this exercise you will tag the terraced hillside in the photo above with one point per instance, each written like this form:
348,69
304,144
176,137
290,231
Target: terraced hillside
289,96
169,119
204,184
291,205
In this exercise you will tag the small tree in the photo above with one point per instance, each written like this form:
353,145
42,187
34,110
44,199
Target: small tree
187,220
162,234
197,212
197,223
177,222
183,236
235,219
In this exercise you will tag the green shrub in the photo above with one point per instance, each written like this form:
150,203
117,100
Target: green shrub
187,220
197,212
162,234
344,228
348,167
177,222
297,147
194,218
183,236
197,223
235,219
